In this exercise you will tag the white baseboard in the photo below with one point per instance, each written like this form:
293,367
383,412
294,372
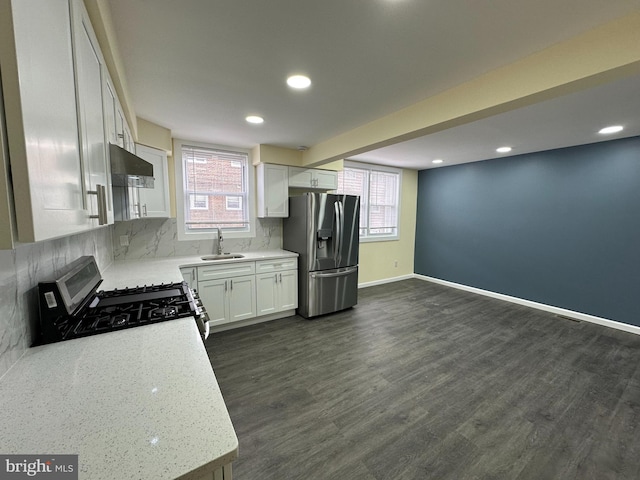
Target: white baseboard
385,280
540,306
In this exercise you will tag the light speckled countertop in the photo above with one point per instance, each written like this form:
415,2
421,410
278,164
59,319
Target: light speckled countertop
139,403
129,273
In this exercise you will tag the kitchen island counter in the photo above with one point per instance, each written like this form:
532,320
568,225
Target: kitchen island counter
138,403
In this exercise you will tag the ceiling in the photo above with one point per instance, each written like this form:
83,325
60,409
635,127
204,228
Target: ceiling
199,67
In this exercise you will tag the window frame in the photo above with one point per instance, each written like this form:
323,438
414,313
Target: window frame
183,233
366,206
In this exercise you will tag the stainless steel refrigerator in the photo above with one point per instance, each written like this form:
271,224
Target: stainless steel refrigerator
324,230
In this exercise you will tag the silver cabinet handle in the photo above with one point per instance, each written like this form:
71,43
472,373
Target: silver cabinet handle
144,210
102,204
101,193
280,278
276,275
225,285
231,284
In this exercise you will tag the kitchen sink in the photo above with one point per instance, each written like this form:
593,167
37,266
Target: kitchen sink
222,256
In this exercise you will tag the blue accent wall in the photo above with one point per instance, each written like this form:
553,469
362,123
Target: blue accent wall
560,227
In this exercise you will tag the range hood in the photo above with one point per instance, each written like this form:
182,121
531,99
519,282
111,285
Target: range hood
129,170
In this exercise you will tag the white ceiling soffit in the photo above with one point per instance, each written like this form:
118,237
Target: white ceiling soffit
199,67
566,121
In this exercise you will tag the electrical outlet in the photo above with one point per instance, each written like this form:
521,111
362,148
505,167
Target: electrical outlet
124,240
395,264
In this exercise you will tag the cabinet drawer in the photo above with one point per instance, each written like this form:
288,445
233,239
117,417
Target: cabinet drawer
211,272
278,265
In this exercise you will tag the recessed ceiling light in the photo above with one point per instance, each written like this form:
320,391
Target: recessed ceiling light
298,81
437,160
254,119
611,129
503,149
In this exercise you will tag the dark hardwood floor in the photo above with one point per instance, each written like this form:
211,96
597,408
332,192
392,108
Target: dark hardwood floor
421,381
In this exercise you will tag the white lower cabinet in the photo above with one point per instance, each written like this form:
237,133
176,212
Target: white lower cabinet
228,291
222,473
276,292
237,291
190,275
228,299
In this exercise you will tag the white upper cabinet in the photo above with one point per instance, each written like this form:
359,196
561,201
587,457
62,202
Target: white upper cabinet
6,200
313,178
36,61
91,119
116,127
273,190
110,100
154,202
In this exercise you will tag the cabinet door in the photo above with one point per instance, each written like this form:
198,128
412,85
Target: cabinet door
273,190
89,75
154,202
213,294
110,101
325,179
300,177
242,297
41,119
7,234
121,134
190,276
288,290
267,293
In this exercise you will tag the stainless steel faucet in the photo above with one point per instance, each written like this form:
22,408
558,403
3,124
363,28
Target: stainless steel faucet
220,239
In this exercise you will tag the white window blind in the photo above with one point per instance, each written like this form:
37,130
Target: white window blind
379,191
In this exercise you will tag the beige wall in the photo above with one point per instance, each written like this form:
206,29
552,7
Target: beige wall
154,135
286,156
377,259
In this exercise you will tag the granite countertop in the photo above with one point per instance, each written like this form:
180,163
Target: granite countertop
138,403
128,273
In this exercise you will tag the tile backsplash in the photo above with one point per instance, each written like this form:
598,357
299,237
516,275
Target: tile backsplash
20,271
158,237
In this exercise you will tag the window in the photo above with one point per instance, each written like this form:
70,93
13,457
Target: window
198,202
215,187
379,191
234,203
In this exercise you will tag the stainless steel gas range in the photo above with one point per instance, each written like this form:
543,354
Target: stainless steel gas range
72,307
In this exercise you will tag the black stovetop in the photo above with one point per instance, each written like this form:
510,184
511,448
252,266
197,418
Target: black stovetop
119,309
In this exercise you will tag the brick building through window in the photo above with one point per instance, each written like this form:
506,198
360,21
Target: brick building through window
215,188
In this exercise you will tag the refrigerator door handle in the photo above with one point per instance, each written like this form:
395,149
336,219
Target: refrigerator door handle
342,231
344,273
338,237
